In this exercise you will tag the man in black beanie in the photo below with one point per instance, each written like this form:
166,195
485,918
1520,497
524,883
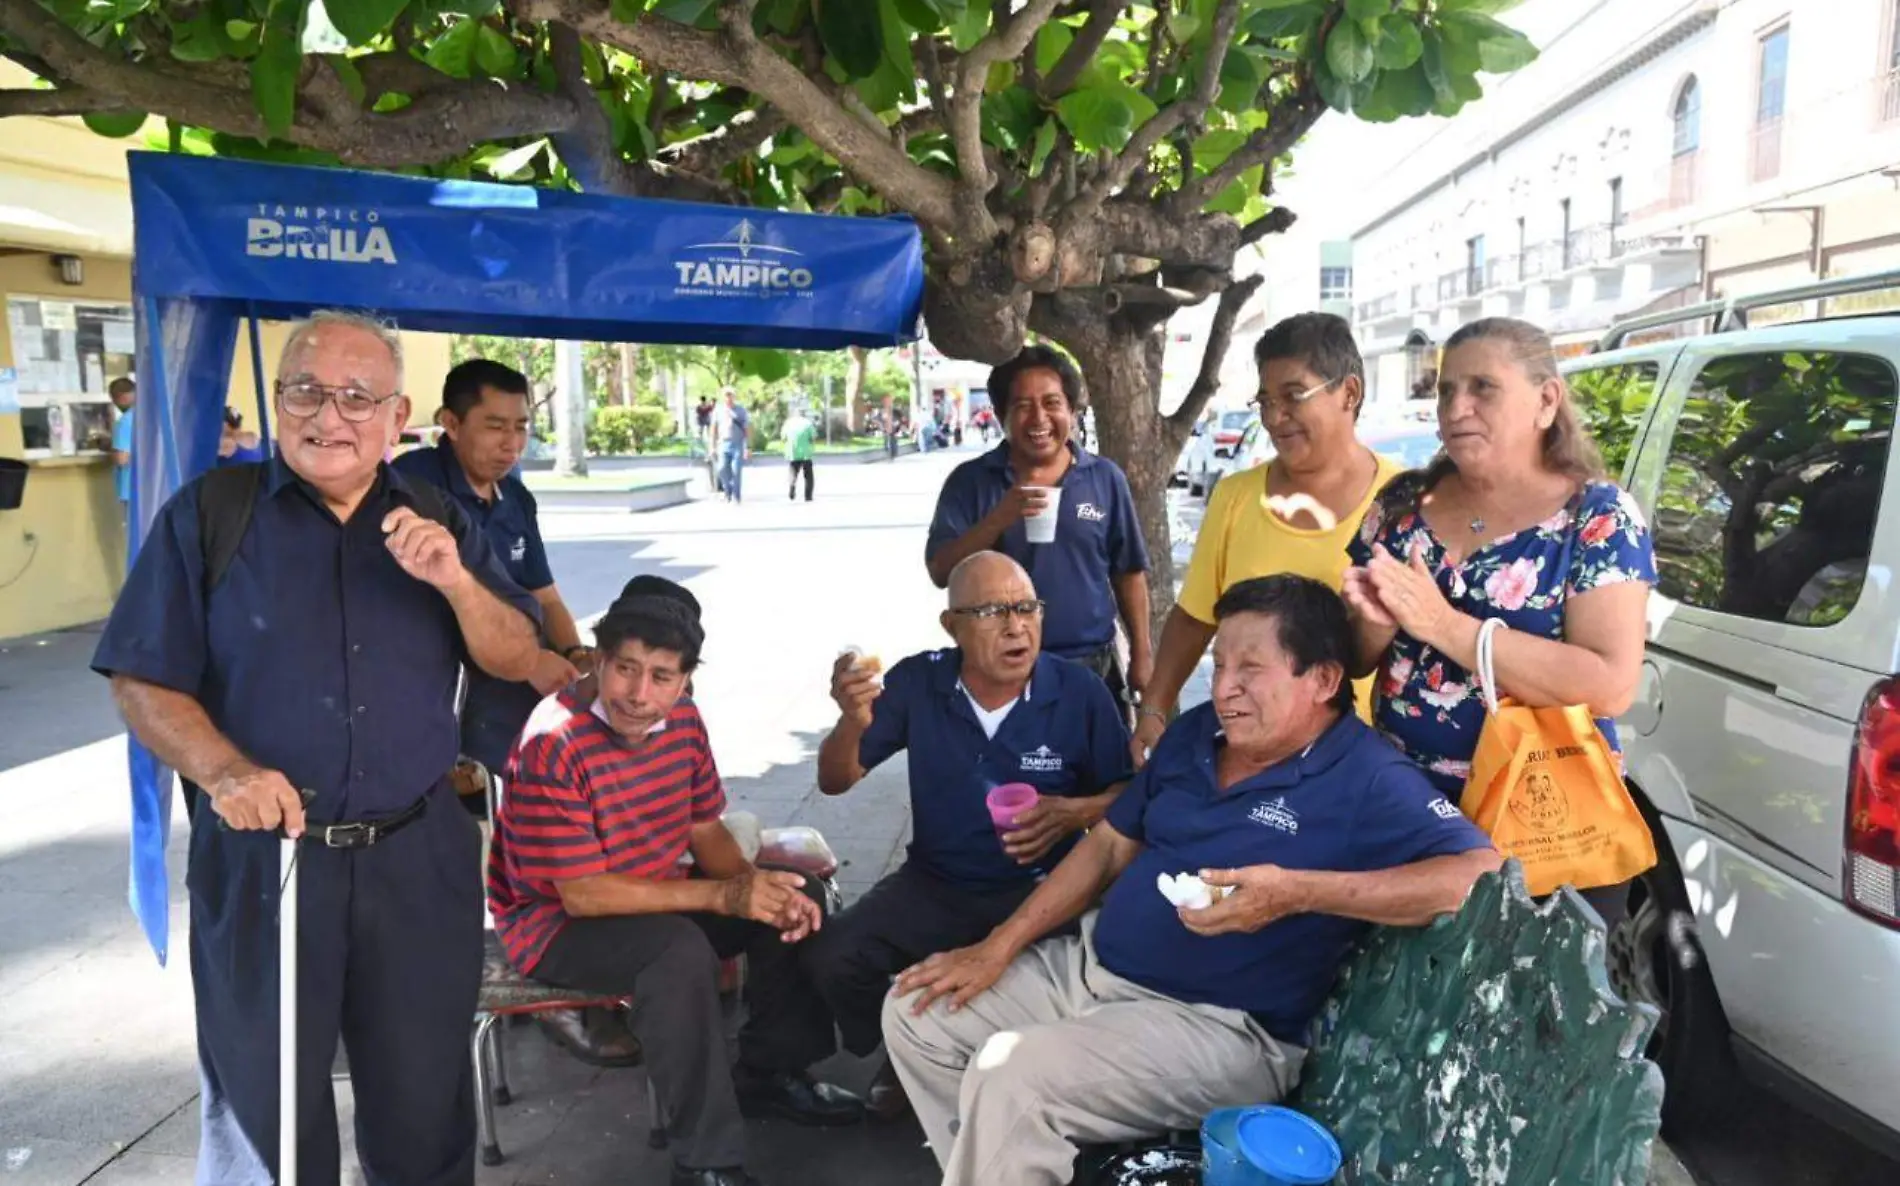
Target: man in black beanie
609,790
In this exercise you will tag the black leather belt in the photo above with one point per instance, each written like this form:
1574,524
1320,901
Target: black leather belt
366,833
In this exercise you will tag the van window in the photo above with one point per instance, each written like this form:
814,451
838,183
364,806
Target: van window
1613,401
1772,486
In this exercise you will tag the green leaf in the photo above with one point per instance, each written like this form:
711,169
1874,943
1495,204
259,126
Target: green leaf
495,55
970,28
896,55
275,68
203,39
517,161
1432,55
1052,41
769,366
784,17
1233,199
360,20
1333,90
112,12
390,102
1488,7
1397,94
686,12
1500,48
1347,52
1291,20
627,11
1045,144
1213,148
853,34
1367,10
1097,118
240,30
115,124
454,52
921,15
1400,45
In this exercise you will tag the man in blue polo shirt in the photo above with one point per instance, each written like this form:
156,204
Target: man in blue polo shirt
1098,563
992,710
1156,1015
484,422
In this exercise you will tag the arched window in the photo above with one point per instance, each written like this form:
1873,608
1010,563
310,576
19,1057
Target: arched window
1687,119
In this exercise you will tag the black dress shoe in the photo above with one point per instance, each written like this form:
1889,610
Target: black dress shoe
598,1037
728,1177
796,1098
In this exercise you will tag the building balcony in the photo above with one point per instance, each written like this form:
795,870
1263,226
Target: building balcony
1379,307
1764,150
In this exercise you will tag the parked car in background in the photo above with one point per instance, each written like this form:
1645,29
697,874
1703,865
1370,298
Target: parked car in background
1763,744
1230,426
1195,467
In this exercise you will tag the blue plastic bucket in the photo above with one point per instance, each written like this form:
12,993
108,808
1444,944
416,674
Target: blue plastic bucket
1289,1149
1222,1162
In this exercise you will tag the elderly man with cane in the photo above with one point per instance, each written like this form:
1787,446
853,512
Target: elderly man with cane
299,625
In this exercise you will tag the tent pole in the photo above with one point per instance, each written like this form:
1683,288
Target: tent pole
161,396
257,377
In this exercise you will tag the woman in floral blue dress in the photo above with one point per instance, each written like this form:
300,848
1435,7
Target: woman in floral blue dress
1515,521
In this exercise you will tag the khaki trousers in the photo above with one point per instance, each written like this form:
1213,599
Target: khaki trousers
1062,1052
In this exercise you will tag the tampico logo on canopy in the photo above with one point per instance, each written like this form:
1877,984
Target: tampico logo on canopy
333,234
743,264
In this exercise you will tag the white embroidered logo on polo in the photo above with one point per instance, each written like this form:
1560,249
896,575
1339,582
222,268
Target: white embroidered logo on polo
1042,758
1443,809
519,552
1277,815
1091,512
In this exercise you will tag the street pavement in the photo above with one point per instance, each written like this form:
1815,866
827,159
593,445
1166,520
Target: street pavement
97,1072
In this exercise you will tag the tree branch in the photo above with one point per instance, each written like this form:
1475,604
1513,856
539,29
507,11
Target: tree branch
1289,119
713,153
1008,37
588,145
1273,222
1171,118
1075,59
63,101
736,57
1219,336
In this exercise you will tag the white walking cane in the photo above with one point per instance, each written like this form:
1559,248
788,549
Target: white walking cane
287,1014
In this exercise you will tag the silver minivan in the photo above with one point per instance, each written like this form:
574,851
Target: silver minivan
1764,741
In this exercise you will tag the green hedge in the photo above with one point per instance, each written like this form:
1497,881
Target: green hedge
619,431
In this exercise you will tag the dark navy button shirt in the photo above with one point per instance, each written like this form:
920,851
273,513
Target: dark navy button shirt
1097,538
1064,737
1350,804
316,655
495,710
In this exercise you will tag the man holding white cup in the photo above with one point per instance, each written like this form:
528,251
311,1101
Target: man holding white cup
1064,514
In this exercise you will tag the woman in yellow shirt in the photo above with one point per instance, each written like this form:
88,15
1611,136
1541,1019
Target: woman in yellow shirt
1295,514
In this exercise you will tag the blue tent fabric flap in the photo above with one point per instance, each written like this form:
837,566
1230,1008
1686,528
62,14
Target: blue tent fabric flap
216,241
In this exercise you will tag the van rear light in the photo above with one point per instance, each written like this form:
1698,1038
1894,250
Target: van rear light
1873,808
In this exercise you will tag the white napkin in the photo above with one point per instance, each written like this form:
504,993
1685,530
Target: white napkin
1188,891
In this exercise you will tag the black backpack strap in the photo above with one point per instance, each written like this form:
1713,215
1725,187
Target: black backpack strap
226,497
431,503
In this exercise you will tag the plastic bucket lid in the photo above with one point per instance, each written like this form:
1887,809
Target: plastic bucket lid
1289,1147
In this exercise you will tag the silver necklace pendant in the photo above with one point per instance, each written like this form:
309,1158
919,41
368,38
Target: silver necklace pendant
1477,525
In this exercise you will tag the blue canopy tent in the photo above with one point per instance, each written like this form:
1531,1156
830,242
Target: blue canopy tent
218,242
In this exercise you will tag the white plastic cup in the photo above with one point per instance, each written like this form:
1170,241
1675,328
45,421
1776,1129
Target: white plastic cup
1041,527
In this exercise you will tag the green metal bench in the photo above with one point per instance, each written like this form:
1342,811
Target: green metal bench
1484,1050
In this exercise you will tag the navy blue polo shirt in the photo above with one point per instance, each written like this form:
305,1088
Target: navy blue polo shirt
495,710
316,654
1064,737
1097,537
1351,803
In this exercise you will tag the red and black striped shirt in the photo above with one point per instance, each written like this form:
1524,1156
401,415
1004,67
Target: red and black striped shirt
581,801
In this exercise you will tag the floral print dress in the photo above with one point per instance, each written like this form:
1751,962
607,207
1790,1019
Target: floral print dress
1428,705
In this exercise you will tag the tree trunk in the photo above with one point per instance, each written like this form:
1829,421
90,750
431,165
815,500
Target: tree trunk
570,412
854,384
1121,367
626,373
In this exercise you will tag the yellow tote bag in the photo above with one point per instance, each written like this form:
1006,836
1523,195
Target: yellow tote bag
1547,789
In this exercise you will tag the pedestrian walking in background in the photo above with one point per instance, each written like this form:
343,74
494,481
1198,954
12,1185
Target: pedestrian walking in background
801,446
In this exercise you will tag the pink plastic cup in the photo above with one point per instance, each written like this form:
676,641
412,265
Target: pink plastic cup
1009,801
